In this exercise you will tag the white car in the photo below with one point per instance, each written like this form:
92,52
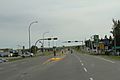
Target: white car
27,54
31,54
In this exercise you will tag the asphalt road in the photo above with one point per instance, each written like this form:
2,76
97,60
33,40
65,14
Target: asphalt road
74,66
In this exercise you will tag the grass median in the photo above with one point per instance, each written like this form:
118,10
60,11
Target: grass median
112,57
47,53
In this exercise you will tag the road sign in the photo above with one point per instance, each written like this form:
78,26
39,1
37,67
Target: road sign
96,38
101,45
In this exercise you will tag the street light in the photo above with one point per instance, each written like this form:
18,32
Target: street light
29,33
43,39
39,40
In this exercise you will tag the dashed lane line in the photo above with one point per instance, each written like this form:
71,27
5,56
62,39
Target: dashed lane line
91,79
82,64
85,69
80,61
78,58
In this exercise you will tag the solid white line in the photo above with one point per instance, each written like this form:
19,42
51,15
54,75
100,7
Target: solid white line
105,59
85,69
80,61
90,78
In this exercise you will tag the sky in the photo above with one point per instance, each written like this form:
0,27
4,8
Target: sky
64,19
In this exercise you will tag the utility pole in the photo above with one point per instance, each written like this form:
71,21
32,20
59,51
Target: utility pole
43,40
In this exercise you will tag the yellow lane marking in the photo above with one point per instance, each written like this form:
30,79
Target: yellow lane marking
53,59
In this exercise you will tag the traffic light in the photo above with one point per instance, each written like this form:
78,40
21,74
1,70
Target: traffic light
55,38
49,39
76,41
69,41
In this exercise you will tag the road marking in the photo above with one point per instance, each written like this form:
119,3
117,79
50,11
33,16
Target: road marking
80,61
78,58
54,60
105,59
85,69
46,62
90,78
82,64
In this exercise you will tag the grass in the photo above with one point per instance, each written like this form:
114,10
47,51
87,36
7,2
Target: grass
46,53
15,59
112,57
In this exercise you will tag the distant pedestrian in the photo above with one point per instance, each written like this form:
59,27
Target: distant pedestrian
71,51
54,52
118,53
62,52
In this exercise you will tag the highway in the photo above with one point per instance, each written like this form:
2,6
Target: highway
74,66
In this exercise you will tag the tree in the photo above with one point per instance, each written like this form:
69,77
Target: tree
34,49
116,31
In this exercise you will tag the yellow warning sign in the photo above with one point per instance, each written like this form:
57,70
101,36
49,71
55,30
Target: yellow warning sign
101,45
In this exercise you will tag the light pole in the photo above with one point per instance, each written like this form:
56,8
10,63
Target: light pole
36,44
43,39
29,33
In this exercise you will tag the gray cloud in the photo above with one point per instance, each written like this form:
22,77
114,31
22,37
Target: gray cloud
67,19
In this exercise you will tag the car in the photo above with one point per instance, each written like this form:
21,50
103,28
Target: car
31,54
3,60
27,54
4,54
14,53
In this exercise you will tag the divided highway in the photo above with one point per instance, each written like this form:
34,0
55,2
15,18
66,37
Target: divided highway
74,66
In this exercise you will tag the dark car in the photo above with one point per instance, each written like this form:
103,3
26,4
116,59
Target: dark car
1,61
14,53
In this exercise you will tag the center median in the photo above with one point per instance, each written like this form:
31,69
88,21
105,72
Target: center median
55,59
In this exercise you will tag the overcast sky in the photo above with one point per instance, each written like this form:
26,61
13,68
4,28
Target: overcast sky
65,19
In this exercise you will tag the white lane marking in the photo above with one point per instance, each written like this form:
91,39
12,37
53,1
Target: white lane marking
78,58
105,59
80,61
85,69
90,78
82,64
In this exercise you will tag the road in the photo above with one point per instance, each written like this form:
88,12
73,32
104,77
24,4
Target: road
74,66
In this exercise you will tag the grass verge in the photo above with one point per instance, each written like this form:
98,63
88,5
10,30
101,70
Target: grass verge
112,57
